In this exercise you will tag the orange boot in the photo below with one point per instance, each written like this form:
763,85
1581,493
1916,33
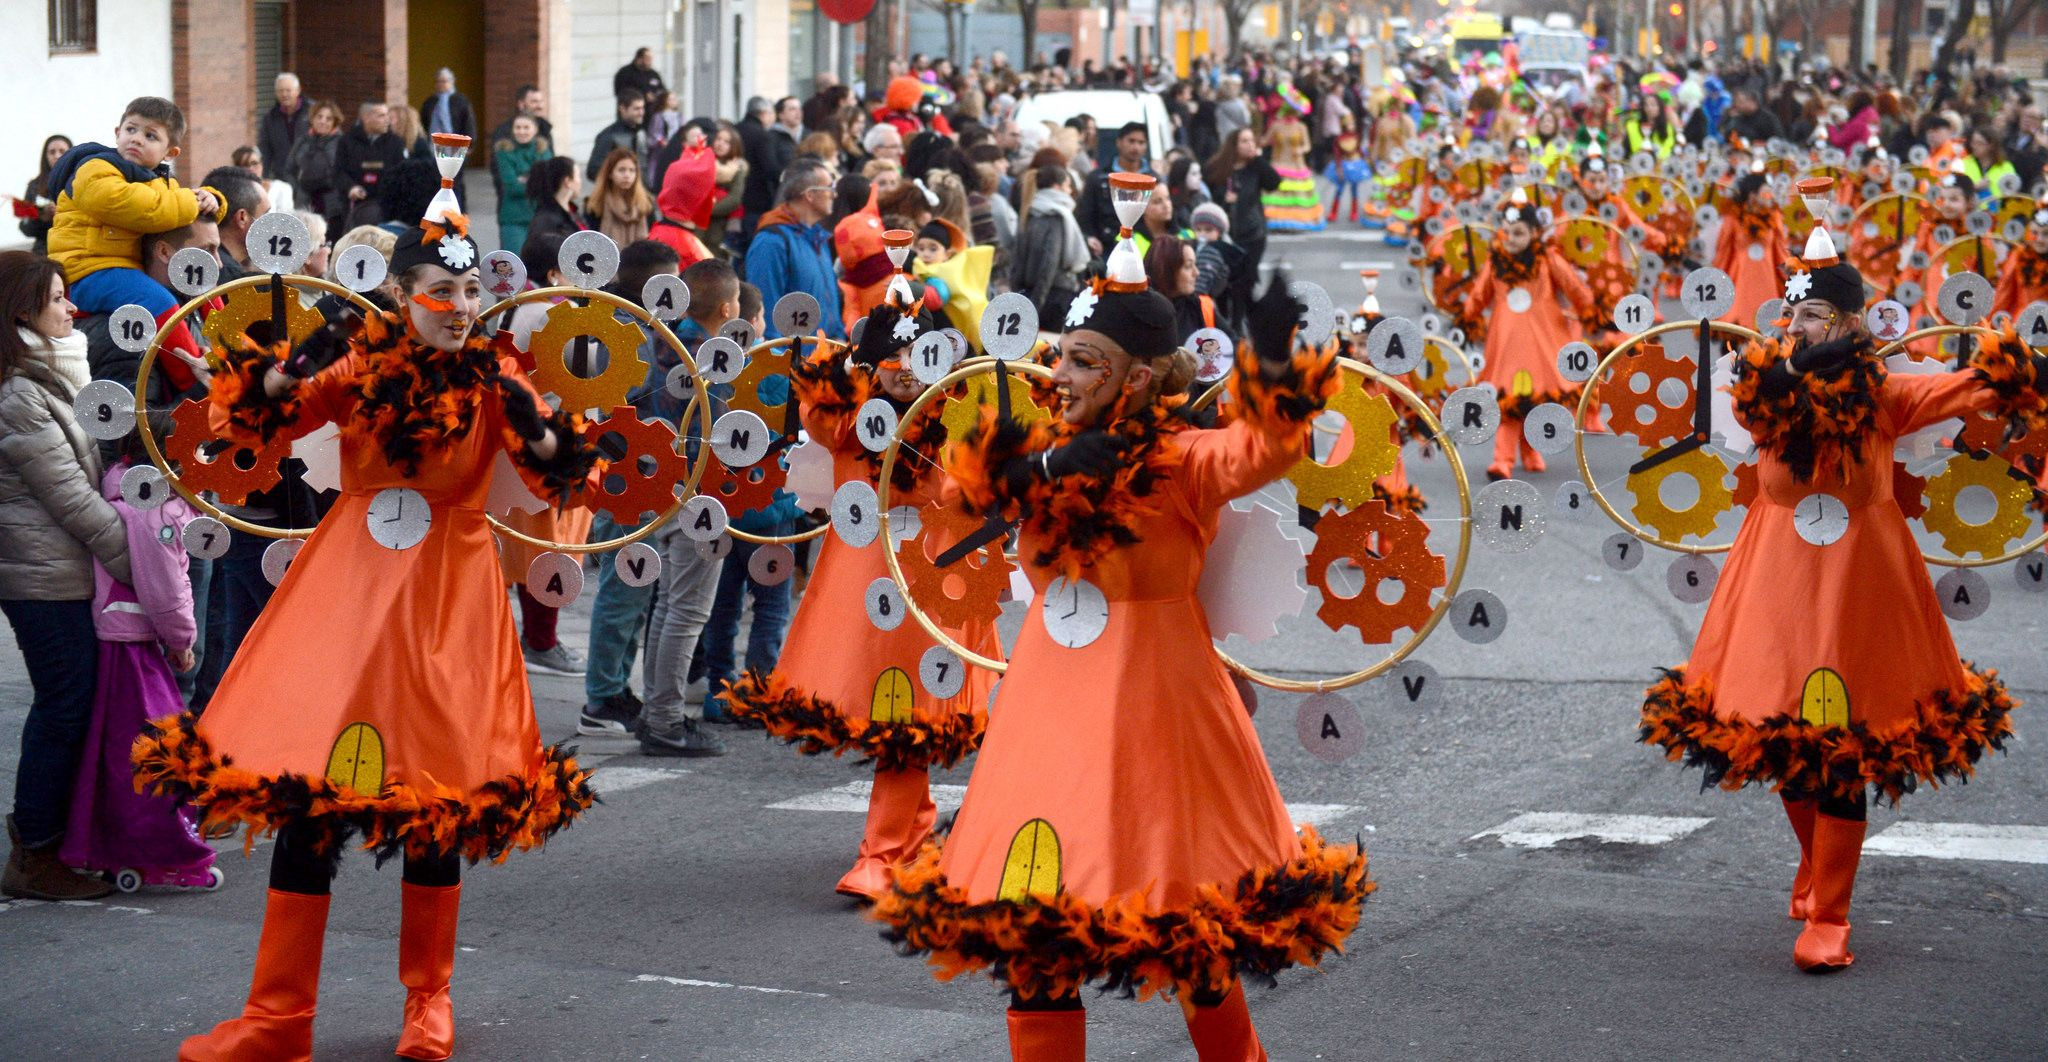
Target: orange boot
1823,946
277,1023
426,959
900,817
1532,458
1506,441
1224,1033
1049,1035
1801,813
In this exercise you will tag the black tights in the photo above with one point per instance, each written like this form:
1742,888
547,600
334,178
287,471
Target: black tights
1073,1002
295,865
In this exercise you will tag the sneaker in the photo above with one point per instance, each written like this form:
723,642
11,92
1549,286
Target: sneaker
685,739
614,716
560,660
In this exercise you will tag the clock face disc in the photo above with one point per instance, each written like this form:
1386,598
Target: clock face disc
1075,613
399,518
1821,519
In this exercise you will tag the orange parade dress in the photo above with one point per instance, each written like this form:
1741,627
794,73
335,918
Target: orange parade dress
1121,826
843,684
1528,327
1821,669
2023,281
382,691
1751,249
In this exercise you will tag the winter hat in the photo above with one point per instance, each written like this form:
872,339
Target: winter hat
1821,272
1210,214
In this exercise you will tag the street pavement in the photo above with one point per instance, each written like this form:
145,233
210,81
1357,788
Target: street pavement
1548,888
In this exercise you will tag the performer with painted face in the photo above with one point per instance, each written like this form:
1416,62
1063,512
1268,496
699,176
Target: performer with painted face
842,684
1824,668
381,699
1121,826
1522,283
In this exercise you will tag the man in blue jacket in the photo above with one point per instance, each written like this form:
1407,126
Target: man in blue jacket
792,248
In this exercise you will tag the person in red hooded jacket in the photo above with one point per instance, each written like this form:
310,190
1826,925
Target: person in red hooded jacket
899,108
688,189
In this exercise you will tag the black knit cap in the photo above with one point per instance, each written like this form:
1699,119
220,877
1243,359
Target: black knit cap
448,246
1838,285
1141,322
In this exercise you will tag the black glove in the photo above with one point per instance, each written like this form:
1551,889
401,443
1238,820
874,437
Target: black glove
324,347
1831,356
521,414
878,337
1273,320
1091,453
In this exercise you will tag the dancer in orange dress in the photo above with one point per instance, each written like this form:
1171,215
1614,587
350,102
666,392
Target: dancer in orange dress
1955,195
1751,247
1121,826
843,684
2024,278
1824,668
382,693
1522,283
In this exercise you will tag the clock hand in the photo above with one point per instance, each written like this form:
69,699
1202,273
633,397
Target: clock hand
1678,449
400,513
994,529
1703,384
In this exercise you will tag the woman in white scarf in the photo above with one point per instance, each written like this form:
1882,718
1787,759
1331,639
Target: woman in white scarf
1050,255
53,525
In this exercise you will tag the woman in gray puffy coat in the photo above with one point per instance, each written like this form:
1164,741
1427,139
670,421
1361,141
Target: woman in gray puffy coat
53,523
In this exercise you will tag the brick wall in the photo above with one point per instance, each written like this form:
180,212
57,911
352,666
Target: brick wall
350,52
516,42
210,46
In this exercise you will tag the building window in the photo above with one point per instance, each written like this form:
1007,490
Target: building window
74,26
1935,15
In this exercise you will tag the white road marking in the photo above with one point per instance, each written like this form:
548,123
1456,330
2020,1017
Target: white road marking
853,798
691,982
1544,829
1962,840
609,780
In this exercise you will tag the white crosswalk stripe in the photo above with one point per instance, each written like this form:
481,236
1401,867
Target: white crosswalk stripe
1961,840
609,780
1545,829
853,798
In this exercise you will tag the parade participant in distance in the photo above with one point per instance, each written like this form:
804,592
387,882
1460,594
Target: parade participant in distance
1521,283
1751,247
1824,669
410,727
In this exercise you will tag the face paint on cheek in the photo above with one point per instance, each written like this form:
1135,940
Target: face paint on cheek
431,304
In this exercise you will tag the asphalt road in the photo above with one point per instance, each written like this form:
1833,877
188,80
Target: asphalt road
690,918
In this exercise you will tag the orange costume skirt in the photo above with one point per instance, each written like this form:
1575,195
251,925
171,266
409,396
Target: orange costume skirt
382,692
842,684
1822,669
1121,826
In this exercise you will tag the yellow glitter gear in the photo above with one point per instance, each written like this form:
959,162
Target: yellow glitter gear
1373,452
2008,523
1673,525
963,411
763,362
623,371
243,307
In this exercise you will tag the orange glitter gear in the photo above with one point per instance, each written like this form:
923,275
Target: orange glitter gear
234,470
744,489
1384,545
1650,367
647,473
623,369
1984,433
981,576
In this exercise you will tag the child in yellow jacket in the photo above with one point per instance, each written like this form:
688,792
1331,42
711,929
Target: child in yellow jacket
109,198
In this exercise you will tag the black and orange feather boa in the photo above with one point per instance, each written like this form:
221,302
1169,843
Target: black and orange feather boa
1949,733
2017,377
1820,422
816,726
822,382
1047,947
1082,518
174,760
